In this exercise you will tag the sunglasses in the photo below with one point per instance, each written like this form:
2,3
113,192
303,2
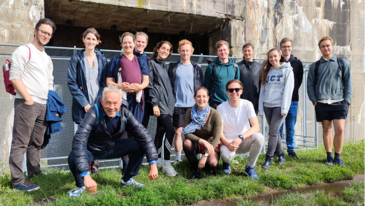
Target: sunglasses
234,89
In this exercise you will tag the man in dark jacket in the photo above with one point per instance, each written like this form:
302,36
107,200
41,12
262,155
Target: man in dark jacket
185,77
98,138
250,75
286,46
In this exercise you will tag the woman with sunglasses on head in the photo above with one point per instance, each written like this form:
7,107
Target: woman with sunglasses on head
125,72
86,78
203,127
163,102
275,98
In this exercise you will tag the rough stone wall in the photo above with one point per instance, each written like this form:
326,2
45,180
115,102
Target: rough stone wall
17,21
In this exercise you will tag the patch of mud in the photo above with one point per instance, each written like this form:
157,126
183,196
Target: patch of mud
332,189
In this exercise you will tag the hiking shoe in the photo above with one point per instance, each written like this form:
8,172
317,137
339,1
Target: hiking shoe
26,186
281,159
76,192
169,170
131,183
338,162
329,161
159,164
226,168
177,162
293,154
95,170
267,162
250,171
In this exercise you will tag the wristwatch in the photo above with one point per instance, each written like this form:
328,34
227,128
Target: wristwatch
206,154
241,137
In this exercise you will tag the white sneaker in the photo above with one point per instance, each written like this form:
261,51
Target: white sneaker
169,170
159,164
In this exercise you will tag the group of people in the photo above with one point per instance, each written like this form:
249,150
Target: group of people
217,112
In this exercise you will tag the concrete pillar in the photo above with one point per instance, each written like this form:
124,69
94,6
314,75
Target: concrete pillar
17,21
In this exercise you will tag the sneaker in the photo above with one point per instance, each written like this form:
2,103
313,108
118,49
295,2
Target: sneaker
131,183
177,162
226,168
338,162
293,154
196,175
169,170
26,186
76,192
159,164
250,171
329,161
212,172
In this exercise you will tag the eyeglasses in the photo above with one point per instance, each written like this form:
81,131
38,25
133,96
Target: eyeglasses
285,47
45,33
230,90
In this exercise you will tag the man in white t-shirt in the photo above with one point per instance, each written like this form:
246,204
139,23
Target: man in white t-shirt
238,136
31,75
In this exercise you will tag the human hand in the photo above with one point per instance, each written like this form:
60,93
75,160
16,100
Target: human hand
29,101
87,107
282,114
209,147
202,162
124,86
315,103
262,116
156,111
233,146
135,87
153,173
90,184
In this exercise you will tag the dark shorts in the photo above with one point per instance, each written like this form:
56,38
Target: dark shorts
179,116
338,110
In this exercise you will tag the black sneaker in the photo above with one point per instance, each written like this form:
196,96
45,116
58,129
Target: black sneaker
293,154
196,175
26,186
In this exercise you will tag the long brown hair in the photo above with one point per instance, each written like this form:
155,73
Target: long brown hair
158,46
267,66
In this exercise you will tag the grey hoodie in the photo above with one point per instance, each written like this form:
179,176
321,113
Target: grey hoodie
278,89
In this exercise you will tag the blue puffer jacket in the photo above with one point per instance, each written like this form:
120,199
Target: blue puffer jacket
78,85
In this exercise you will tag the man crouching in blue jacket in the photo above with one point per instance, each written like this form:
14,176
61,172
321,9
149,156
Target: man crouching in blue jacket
98,138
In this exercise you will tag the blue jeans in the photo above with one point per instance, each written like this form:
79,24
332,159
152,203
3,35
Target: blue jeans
290,121
122,148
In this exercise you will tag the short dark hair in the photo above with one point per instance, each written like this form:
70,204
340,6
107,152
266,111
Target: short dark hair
248,44
233,81
47,21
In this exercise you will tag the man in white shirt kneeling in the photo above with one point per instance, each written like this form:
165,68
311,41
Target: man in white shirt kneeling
238,136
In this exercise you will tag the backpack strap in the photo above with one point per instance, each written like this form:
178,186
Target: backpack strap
30,53
97,115
214,67
316,72
341,65
236,70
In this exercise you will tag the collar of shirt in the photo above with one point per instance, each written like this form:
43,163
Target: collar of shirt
117,115
333,59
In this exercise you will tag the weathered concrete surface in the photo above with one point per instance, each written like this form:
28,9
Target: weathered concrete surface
17,22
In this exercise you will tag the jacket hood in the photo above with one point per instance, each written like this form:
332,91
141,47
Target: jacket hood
285,65
230,63
291,59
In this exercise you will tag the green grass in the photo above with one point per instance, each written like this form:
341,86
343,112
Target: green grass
309,169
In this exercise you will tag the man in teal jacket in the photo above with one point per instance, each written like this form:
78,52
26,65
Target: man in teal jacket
330,89
218,73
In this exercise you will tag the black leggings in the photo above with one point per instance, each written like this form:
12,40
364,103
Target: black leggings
164,125
191,149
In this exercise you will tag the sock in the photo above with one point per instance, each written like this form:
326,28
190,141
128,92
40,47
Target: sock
329,154
337,156
167,162
225,165
178,156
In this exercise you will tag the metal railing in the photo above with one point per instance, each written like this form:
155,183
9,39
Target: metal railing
62,141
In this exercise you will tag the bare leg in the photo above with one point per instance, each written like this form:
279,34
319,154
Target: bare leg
178,139
339,125
327,135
